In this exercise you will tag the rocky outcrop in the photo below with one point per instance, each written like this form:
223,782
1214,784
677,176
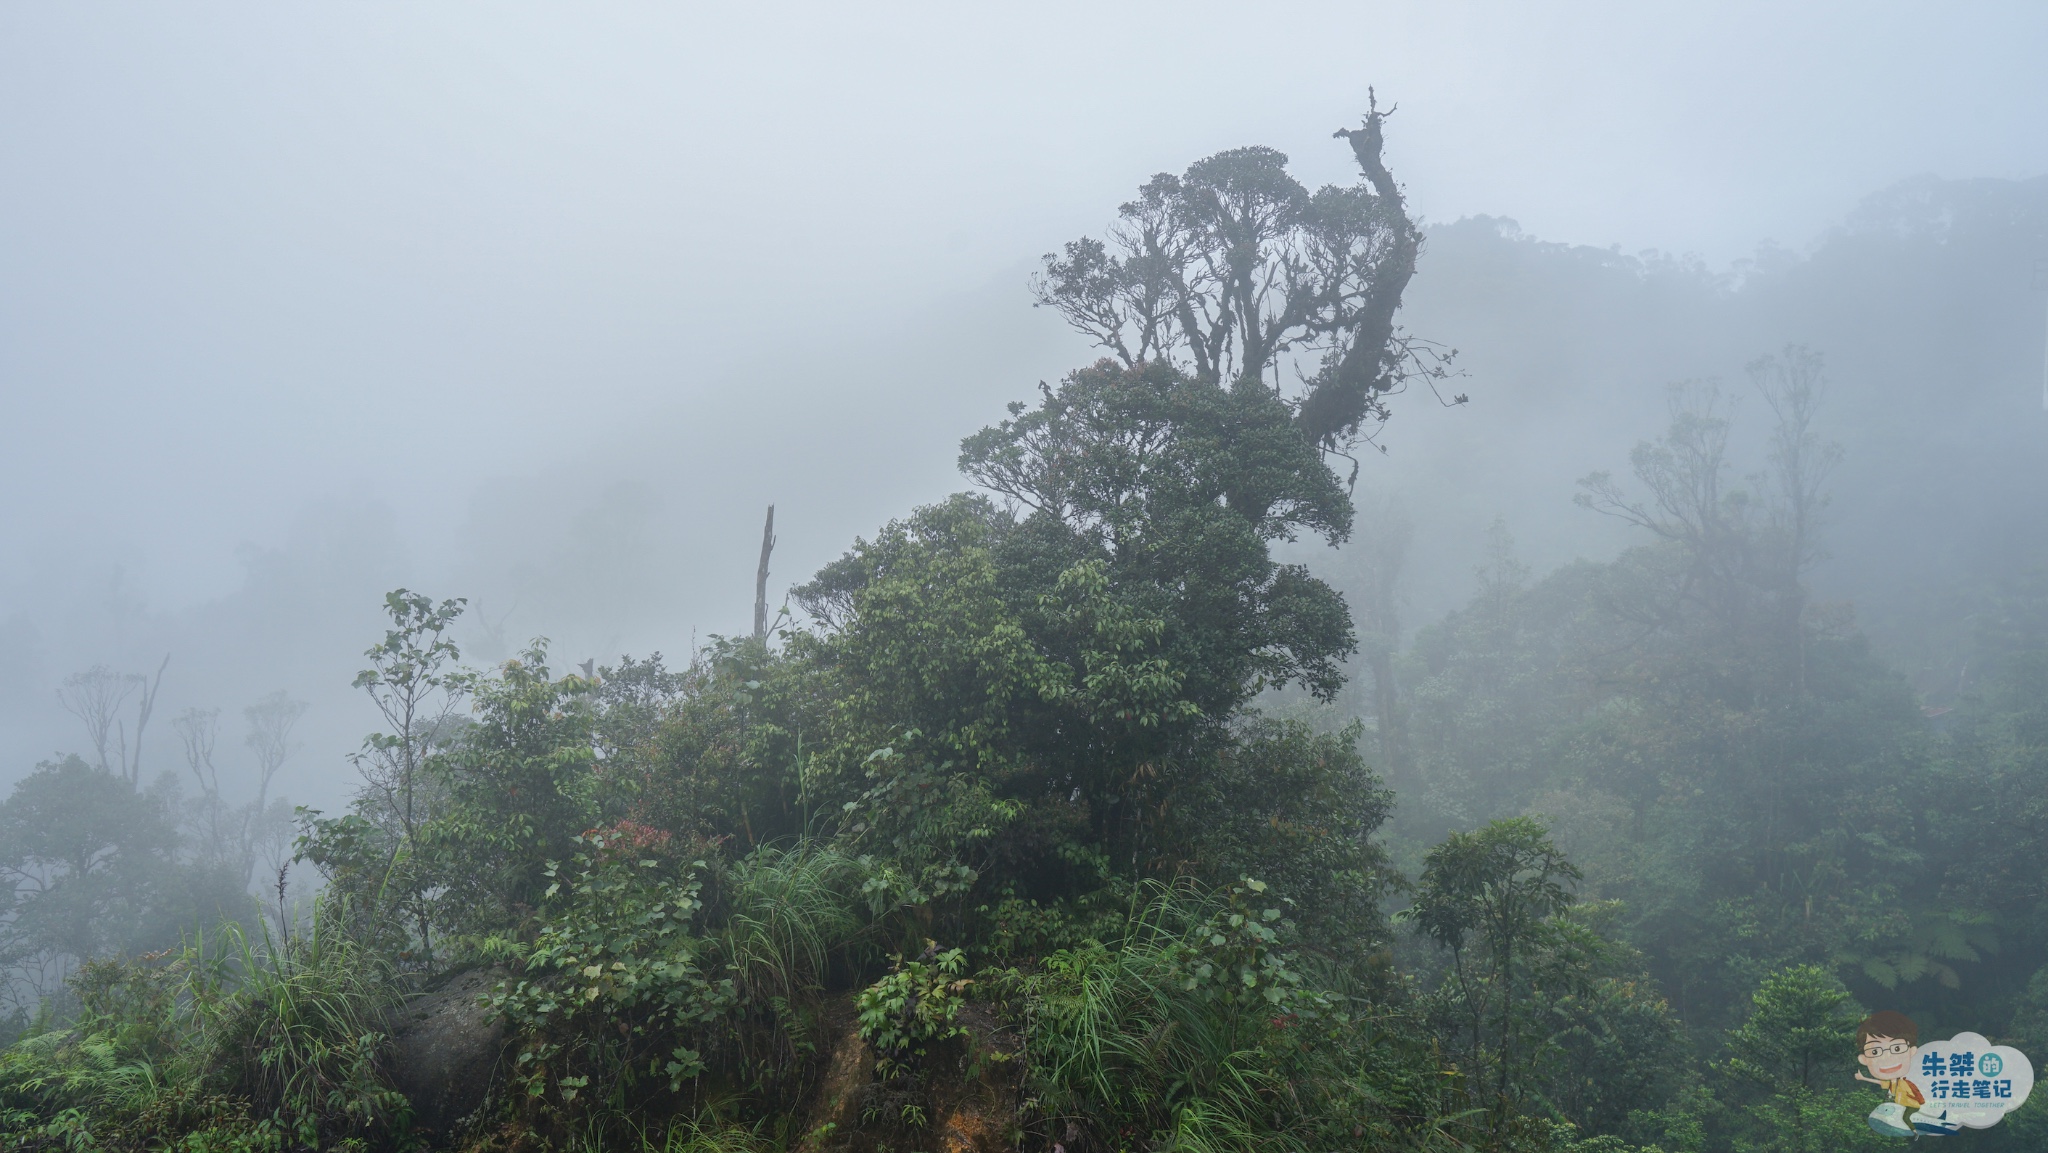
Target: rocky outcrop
975,1111
445,1048
964,1099
841,1096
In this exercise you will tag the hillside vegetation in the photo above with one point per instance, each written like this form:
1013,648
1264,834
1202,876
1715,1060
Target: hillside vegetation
1031,822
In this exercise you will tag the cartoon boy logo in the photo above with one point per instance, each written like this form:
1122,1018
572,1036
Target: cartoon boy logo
1886,1042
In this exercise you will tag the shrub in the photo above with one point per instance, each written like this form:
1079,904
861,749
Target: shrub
913,1006
618,978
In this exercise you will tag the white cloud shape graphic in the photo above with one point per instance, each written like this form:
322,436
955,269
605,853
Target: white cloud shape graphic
1976,1082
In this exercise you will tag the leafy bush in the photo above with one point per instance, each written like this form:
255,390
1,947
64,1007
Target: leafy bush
619,977
913,1006
654,968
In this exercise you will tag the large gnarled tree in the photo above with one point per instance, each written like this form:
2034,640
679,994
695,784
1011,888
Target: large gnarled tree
1239,275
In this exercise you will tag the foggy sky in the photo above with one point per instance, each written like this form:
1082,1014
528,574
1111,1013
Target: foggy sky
542,306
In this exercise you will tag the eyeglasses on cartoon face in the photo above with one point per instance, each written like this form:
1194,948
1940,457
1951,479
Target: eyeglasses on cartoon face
1885,1048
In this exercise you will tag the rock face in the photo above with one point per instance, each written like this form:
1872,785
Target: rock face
967,1094
836,1105
976,1111
445,1047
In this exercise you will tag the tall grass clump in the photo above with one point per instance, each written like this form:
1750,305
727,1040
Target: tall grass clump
787,921
788,911
1199,1029
299,1041
225,1043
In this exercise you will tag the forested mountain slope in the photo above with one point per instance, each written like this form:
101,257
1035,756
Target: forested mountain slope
1075,813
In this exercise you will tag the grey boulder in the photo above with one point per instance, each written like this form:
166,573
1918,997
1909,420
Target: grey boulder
445,1047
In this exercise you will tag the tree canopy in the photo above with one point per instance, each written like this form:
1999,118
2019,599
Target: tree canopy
1234,271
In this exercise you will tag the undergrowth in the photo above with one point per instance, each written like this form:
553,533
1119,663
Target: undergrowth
659,985
1200,1028
225,1043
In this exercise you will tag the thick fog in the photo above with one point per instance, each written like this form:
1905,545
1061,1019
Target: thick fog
542,306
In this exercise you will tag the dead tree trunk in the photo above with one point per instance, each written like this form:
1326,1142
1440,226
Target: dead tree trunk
761,579
132,769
